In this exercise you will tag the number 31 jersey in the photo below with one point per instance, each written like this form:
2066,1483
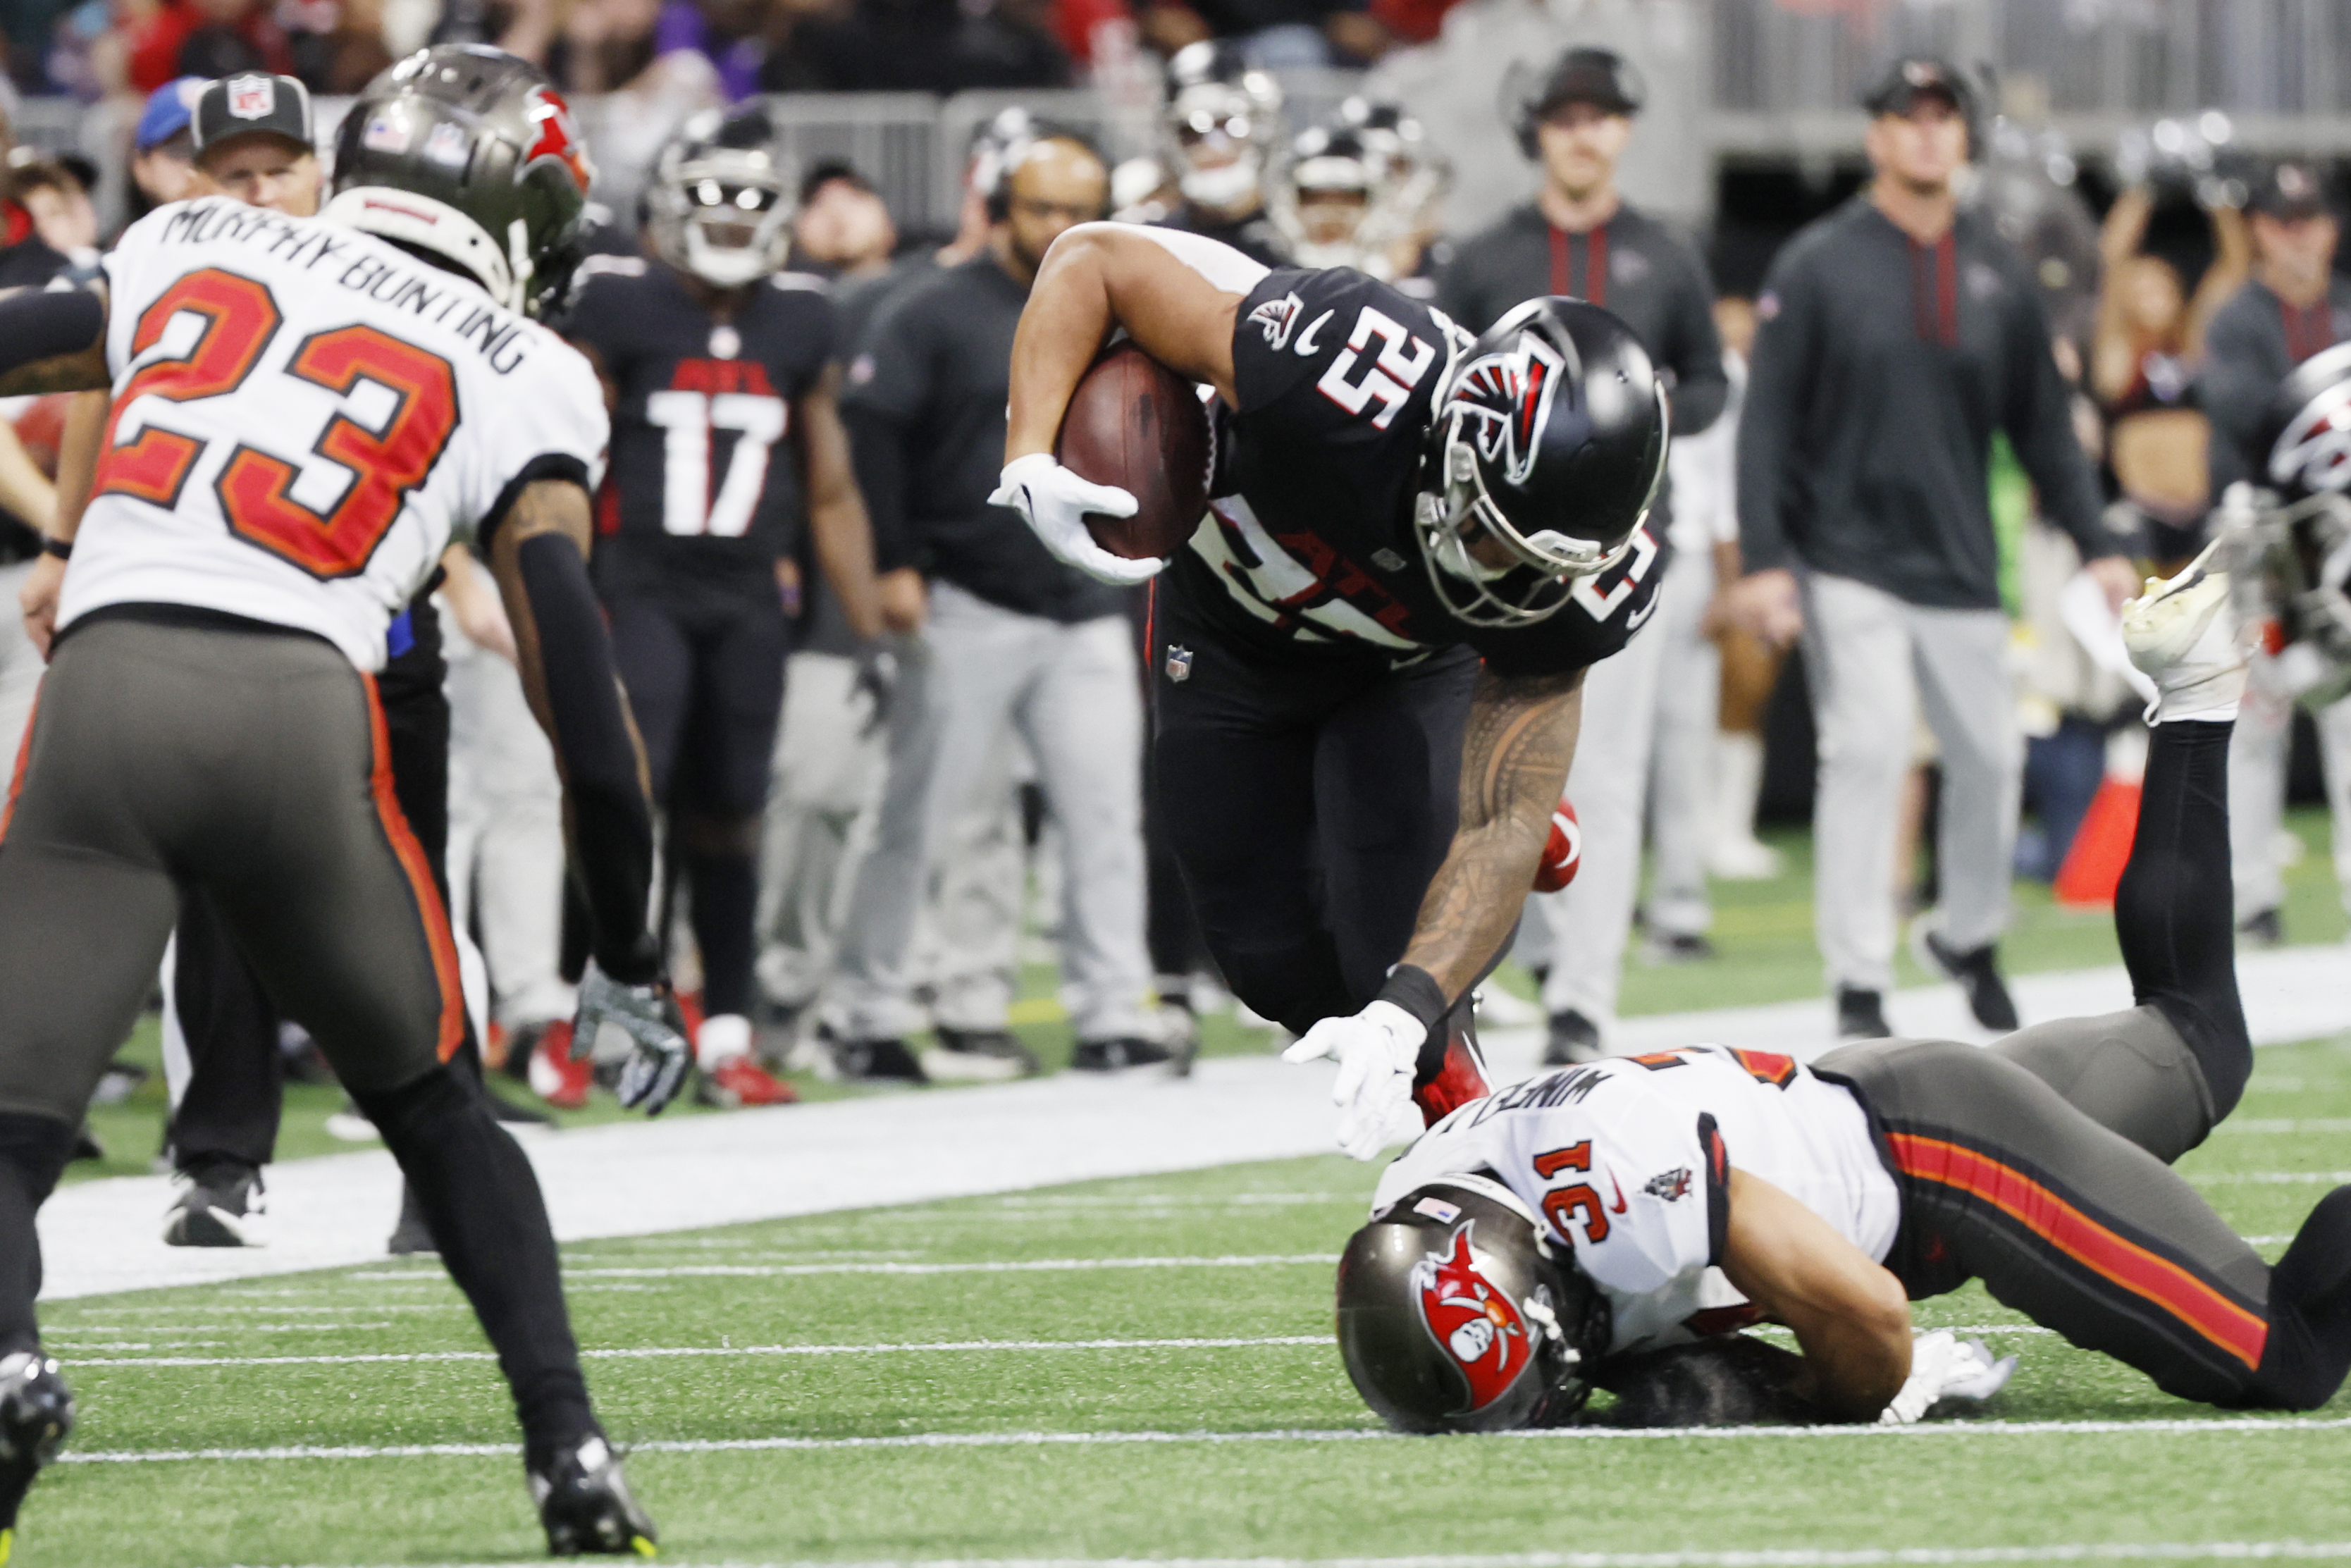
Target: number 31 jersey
1628,1161
1309,547
704,481
305,417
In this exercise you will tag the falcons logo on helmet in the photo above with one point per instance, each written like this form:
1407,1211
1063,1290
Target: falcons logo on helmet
1508,396
2315,449
558,136
1477,1326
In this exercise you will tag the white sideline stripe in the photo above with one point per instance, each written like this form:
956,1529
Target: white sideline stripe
2271,1178
1759,1557
997,1266
2285,1124
2236,1424
645,1352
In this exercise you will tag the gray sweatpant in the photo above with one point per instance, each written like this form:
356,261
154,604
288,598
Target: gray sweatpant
2257,759
1875,663
254,765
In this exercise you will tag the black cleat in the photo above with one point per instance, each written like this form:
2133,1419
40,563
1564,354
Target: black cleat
875,1061
410,1234
220,1205
36,1411
1978,977
1861,1015
2262,928
1113,1055
1678,947
584,1503
980,1053
1574,1038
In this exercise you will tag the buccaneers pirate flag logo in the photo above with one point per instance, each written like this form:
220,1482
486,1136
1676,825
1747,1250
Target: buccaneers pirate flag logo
1478,1325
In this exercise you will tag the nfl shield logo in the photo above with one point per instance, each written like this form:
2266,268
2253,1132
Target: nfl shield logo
1179,662
252,97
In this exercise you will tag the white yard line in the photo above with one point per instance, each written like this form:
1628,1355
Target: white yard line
1757,1557
649,1353
646,1179
2221,1426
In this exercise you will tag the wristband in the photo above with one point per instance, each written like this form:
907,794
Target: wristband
1415,990
61,548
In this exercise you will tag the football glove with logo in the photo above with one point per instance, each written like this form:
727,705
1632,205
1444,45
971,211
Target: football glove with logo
1377,1051
1055,502
1942,1367
649,1016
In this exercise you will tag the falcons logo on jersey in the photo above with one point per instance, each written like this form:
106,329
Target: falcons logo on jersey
2315,449
558,138
1509,397
1478,1325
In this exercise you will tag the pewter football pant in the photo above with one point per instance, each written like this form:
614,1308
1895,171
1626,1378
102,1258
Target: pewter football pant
2257,766
978,675
1875,663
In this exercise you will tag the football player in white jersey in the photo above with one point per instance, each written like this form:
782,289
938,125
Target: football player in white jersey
1539,1241
306,412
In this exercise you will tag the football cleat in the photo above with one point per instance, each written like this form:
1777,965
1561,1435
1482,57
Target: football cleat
2183,634
36,1411
1861,1014
555,1077
740,1082
584,1503
1116,1055
983,1054
1977,971
1572,1037
872,1060
220,1204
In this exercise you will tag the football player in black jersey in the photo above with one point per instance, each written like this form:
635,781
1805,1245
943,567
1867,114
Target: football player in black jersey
720,372
1223,121
1371,653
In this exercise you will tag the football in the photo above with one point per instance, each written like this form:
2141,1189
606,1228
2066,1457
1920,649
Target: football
1135,424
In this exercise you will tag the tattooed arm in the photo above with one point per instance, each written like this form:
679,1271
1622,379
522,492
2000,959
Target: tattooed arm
1514,764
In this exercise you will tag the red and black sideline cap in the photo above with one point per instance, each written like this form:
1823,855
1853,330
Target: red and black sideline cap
1915,76
253,103
2290,190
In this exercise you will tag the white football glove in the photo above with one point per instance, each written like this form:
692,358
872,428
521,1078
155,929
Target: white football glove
1942,1368
649,1016
1377,1051
1056,501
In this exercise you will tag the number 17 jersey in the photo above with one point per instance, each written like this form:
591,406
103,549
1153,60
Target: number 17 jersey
305,417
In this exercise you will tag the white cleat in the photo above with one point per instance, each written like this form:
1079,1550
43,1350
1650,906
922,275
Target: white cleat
2184,635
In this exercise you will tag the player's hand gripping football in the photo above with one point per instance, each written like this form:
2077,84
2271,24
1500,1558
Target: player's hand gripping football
658,1052
1056,501
1942,1367
1377,1051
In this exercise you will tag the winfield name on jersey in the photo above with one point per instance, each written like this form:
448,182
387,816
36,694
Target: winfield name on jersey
369,268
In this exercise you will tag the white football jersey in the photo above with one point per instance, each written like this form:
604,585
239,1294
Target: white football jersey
305,417
1627,1162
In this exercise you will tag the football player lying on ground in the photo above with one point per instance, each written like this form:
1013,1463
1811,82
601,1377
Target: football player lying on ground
1369,659
210,719
1546,1238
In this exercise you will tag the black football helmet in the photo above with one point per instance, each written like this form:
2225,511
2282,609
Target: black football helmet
720,201
1546,449
2288,532
468,154
1455,1314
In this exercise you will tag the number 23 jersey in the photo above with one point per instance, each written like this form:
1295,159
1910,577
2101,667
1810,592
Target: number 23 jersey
1309,547
1628,1161
305,417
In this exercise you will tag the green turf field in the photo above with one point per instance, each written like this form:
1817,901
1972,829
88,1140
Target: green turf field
1135,1368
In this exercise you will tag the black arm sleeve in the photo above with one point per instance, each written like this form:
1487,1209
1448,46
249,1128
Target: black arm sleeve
2041,428
611,822
877,448
38,324
1694,350
1770,419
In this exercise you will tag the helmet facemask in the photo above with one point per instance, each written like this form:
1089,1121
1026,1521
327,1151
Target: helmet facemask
722,213
1219,131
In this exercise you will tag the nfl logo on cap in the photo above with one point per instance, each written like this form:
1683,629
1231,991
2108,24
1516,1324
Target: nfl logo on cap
252,97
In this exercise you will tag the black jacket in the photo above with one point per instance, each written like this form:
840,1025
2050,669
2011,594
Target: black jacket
924,404
2254,344
1632,264
1881,369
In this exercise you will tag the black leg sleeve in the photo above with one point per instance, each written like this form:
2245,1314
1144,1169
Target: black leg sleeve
725,893
481,1203
2309,1346
33,1151
2174,914
236,1089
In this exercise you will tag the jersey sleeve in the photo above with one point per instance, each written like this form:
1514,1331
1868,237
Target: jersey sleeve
815,324
550,425
1647,1212
1333,355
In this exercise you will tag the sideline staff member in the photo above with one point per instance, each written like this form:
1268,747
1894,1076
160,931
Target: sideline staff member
1897,333
1579,237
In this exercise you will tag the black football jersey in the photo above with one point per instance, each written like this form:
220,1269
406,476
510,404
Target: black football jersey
703,477
1307,549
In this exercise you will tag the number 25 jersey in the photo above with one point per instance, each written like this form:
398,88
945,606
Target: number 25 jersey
304,418
1308,548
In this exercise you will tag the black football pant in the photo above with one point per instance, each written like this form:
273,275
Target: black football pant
703,668
2042,1166
1308,801
172,750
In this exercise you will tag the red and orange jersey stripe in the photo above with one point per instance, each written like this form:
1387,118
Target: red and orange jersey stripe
434,913
2202,1306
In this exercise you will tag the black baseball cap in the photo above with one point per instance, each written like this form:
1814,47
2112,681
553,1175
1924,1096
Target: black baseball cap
1913,77
1601,77
253,103
2289,190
